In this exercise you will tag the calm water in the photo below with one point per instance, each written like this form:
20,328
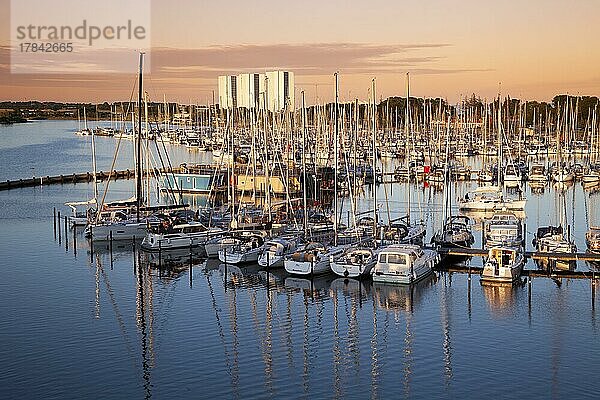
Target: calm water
75,324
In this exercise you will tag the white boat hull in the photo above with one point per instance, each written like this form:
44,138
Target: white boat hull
347,270
503,274
117,231
233,256
382,273
159,241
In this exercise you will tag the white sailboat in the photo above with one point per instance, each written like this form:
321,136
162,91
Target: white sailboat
489,198
275,251
122,225
312,259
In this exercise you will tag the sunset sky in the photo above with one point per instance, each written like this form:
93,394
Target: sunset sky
535,48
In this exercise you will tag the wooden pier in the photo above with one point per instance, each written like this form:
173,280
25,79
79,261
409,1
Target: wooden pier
536,255
533,273
82,177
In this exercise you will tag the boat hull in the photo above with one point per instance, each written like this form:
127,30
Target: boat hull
117,231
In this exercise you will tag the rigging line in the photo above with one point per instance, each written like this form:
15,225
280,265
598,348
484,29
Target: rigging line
171,191
112,167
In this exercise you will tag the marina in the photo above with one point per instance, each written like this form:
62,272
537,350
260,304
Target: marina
163,312
299,201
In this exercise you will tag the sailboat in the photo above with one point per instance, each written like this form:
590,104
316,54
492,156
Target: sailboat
416,230
456,231
489,198
358,259
85,131
79,217
554,239
124,220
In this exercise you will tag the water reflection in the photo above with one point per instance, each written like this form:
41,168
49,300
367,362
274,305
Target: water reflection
322,332
396,298
502,298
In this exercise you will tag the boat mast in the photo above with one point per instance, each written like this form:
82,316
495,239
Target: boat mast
406,134
138,192
374,162
304,167
335,162
94,166
499,141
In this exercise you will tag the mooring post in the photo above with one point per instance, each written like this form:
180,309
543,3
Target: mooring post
593,290
159,254
59,230
267,263
66,237
483,234
110,248
91,245
469,278
74,241
529,290
191,270
54,215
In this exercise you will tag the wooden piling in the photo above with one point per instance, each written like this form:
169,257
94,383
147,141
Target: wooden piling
74,241
110,246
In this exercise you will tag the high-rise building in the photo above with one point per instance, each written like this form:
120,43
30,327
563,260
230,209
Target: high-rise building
228,91
249,90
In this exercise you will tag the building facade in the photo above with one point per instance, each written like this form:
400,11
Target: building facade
254,90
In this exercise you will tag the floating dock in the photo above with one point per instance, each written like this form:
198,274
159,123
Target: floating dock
82,177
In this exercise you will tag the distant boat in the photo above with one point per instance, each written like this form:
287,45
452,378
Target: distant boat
489,198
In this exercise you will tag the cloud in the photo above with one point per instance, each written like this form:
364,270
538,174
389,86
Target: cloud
191,71
304,59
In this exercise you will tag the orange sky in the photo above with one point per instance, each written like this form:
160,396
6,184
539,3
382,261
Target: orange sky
535,48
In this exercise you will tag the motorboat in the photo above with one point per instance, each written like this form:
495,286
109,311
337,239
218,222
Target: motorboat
404,264
503,265
504,229
538,174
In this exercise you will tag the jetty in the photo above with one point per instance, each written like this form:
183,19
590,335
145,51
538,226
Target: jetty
82,177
